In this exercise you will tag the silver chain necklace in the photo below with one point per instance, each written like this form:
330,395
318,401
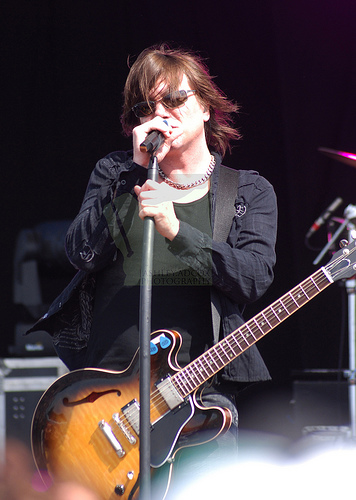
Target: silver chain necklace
189,185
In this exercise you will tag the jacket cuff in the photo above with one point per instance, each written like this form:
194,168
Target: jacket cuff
187,243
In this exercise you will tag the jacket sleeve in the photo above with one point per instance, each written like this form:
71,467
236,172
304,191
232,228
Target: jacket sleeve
241,268
89,242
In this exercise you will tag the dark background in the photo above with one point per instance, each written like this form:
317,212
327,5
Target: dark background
290,65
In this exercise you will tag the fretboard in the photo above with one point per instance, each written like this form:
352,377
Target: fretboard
212,361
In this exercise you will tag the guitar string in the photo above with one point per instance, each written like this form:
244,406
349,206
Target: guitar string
308,291
270,316
309,288
237,338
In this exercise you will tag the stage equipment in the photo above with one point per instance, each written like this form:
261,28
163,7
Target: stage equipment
22,383
145,328
350,287
348,224
41,270
343,156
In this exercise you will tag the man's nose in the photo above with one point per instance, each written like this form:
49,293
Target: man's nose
161,110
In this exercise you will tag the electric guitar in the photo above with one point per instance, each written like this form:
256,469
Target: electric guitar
86,425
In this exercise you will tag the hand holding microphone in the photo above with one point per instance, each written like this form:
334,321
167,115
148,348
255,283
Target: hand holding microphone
154,136
151,137
153,141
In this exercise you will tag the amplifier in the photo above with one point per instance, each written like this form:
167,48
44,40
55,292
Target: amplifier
22,383
320,403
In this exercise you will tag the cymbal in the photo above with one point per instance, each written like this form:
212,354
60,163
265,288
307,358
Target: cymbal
348,158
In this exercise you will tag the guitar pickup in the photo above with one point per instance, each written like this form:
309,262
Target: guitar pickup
132,414
169,393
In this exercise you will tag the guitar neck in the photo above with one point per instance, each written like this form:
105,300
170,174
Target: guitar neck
217,357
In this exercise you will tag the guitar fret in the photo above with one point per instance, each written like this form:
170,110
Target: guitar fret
272,318
232,337
282,313
218,355
232,352
296,303
193,375
305,293
182,382
206,365
201,369
260,325
187,378
198,372
250,330
243,342
224,352
212,359
316,286
310,291
178,381
288,304
265,317
276,315
301,296
205,369
284,307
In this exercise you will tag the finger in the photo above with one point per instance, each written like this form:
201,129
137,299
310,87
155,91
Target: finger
150,185
141,131
147,211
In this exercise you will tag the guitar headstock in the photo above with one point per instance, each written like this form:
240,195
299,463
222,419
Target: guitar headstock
343,263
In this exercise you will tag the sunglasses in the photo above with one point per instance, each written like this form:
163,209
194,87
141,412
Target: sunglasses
173,100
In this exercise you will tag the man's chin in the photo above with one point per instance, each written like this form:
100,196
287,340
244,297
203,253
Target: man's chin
176,144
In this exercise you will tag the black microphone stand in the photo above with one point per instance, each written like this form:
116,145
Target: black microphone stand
144,352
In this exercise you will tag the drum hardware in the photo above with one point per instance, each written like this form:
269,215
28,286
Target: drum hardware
342,156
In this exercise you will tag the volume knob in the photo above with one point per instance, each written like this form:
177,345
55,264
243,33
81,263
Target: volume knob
119,490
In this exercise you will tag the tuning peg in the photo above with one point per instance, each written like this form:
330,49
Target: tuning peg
343,243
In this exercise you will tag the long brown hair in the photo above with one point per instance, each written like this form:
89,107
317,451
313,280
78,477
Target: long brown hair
162,64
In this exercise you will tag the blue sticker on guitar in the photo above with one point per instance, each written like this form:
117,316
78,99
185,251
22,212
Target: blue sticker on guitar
153,348
165,342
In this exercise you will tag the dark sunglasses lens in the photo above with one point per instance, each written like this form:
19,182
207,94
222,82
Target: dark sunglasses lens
175,99
143,109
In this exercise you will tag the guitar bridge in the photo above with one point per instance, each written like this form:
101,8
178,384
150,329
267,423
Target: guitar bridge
110,436
131,439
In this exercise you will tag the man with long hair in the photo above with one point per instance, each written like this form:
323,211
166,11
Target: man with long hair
169,91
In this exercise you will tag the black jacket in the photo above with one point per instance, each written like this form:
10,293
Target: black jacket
242,267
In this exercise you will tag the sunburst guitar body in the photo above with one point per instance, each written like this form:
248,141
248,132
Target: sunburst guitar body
86,425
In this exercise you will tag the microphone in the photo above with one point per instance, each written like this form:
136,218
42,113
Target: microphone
324,217
152,142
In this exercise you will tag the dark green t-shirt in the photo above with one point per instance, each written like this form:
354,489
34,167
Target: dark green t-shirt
180,297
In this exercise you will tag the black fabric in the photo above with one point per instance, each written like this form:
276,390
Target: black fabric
226,193
180,297
242,267
225,198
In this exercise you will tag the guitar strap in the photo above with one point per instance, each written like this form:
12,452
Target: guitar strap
224,213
